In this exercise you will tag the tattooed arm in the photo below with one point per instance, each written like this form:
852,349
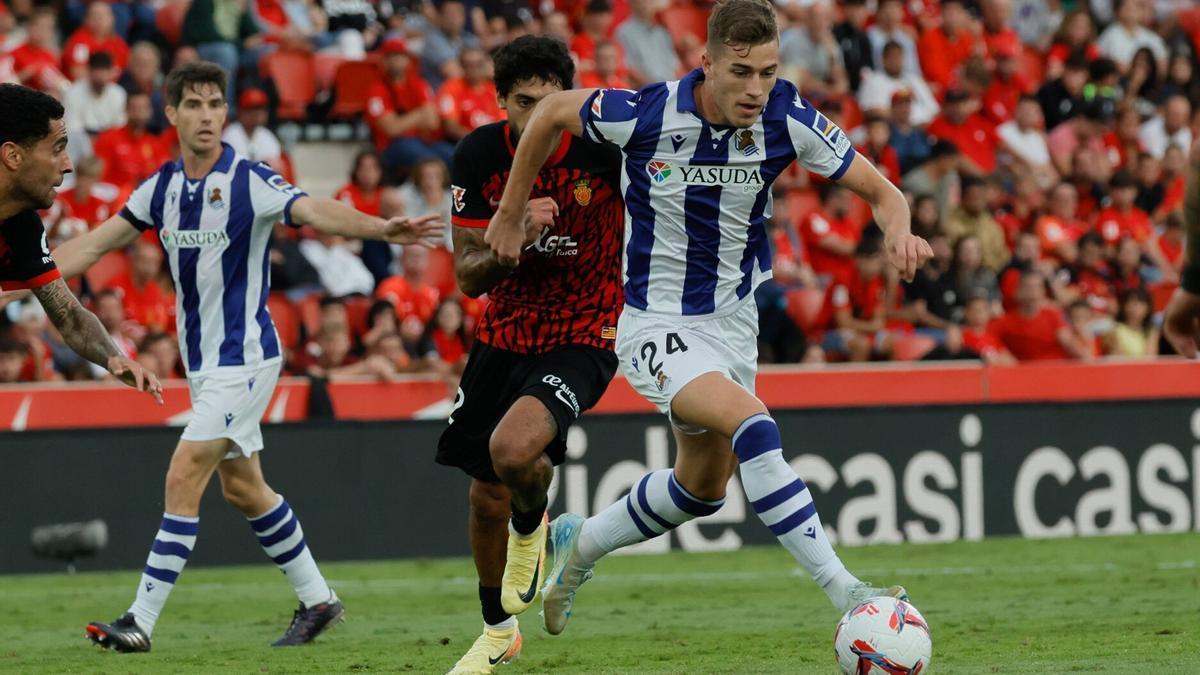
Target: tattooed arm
1182,320
475,264
84,333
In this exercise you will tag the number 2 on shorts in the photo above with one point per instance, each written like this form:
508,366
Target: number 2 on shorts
649,350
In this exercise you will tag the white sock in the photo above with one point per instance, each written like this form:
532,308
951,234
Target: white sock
507,624
172,546
657,504
785,505
282,539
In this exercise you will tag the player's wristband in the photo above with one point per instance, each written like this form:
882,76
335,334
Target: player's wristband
1189,280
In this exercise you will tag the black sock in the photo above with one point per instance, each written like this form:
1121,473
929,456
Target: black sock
525,522
489,600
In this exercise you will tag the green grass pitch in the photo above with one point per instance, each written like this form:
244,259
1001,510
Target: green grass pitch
1103,605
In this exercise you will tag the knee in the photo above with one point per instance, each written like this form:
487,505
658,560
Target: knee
490,502
512,455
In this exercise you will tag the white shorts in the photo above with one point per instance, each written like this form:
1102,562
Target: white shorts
660,355
231,405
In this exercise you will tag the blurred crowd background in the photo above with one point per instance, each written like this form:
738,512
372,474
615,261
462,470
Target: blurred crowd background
1042,144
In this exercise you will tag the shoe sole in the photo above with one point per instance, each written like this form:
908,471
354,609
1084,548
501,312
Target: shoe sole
100,637
338,618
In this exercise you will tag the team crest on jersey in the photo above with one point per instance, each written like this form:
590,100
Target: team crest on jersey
583,193
661,380
659,170
214,199
459,195
744,142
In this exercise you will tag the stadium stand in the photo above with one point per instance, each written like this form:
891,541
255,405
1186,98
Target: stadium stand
1018,112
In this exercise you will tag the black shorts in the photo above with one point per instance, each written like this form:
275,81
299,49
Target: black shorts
568,381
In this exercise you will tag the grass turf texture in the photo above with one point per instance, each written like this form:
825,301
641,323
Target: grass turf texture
1111,605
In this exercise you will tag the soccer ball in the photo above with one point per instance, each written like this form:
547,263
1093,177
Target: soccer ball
885,636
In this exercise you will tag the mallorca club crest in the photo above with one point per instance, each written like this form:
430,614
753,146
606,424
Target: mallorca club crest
659,170
214,198
583,193
744,142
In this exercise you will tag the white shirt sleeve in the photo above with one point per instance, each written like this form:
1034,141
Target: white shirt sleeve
272,195
610,116
821,146
137,208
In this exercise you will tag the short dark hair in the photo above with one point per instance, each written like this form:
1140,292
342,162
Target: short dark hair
742,24
533,58
27,114
9,345
100,60
188,75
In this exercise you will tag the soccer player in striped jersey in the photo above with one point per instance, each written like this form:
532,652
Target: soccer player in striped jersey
213,211
700,155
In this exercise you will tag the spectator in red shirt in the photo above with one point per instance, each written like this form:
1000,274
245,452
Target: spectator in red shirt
1008,84
147,302
159,353
997,22
95,35
1127,266
1059,229
878,147
1091,277
609,72
1084,130
595,27
366,193
1123,141
401,112
854,310
977,317
1033,330
1076,35
829,234
449,335
1173,181
86,200
131,153
36,62
469,102
942,50
410,293
1122,218
1170,242
969,131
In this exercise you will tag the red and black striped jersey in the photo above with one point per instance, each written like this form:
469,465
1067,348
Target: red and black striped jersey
567,288
25,260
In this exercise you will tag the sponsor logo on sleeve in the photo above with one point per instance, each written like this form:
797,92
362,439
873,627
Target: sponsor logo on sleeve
459,196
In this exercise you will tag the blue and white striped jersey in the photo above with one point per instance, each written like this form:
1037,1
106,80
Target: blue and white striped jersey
216,234
697,195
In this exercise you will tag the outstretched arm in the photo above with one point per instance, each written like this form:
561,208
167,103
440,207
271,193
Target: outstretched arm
76,255
84,333
333,217
556,113
906,251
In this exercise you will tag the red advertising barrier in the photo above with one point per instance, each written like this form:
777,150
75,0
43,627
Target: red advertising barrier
70,405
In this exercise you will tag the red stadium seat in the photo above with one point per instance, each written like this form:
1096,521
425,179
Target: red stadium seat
1161,294
911,347
169,20
295,82
1033,66
286,318
325,68
804,306
287,169
107,268
310,313
801,203
685,19
352,83
440,273
357,307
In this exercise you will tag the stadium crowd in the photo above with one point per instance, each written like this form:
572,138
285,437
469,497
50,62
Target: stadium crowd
1042,144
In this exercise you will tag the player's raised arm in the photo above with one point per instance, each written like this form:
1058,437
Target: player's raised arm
906,251
556,113
84,333
333,217
76,255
